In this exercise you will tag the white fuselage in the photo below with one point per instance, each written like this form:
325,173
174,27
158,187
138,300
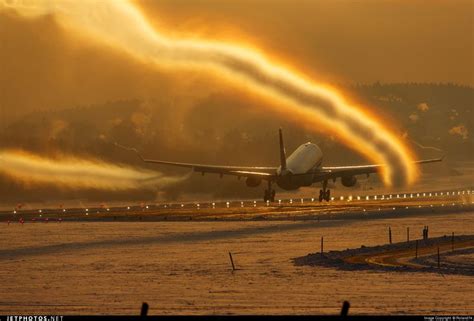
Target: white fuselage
305,159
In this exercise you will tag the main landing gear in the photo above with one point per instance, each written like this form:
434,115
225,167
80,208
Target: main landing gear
324,194
269,195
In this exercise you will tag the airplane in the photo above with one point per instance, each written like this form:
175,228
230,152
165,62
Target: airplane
302,168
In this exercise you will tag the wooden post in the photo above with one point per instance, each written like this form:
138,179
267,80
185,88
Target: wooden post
345,309
322,245
408,234
389,235
452,242
144,311
232,261
438,257
416,249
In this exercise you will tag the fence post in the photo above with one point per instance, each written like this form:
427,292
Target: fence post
438,257
144,311
232,261
345,309
452,242
322,245
390,235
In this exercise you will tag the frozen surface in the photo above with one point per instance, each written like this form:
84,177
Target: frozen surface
184,268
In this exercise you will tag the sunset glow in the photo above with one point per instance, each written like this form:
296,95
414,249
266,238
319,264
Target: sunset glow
315,106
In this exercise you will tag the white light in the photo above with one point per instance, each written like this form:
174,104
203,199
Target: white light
398,196
332,198
268,203
312,199
358,198
291,201
14,212
40,211
342,198
279,201
87,210
146,207
367,198
375,197
108,209
393,208
301,201
241,204
424,194
128,207
64,210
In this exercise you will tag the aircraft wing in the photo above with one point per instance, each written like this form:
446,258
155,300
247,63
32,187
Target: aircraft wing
339,171
263,172
241,171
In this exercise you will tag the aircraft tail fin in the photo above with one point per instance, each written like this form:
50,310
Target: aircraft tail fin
282,151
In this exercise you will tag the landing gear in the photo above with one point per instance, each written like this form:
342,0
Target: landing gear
324,194
269,195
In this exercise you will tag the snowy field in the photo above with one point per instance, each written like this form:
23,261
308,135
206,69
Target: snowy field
184,268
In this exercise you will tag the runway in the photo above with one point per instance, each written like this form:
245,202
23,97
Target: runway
346,206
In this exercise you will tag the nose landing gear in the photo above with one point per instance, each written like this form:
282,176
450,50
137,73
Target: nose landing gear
269,193
324,194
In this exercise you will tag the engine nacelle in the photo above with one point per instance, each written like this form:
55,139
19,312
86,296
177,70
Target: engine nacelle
253,181
348,181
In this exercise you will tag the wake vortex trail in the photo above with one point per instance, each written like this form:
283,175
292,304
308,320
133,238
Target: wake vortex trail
122,25
74,173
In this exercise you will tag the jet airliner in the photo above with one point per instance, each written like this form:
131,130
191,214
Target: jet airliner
302,168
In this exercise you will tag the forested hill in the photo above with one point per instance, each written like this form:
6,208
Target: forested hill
437,119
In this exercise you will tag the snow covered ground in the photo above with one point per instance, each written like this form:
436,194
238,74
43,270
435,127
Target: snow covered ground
184,268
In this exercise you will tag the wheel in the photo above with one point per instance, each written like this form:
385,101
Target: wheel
321,195
327,195
266,196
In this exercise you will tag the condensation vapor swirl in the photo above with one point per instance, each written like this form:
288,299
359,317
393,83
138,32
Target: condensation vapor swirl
123,26
79,173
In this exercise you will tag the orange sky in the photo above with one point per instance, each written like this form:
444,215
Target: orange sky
339,41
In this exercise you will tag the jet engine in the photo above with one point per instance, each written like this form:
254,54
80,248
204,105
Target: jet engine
253,181
348,181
